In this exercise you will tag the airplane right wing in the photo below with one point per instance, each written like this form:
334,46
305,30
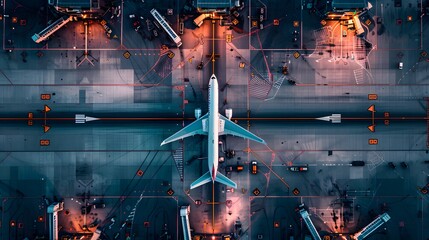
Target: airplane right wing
196,127
234,129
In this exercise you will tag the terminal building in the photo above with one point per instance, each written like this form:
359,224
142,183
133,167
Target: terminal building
349,5
77,7
204,6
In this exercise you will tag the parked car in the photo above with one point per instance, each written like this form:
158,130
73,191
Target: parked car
136,25
404,165
200,66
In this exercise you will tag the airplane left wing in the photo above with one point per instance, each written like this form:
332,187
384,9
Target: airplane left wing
196,127
233,129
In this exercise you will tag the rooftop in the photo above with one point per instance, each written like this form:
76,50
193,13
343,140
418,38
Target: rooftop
75,3
214,4
349,4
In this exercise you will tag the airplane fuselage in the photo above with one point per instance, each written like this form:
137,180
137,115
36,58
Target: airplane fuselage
213,128
213,124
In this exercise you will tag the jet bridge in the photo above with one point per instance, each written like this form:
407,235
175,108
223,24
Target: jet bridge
306,217
370,228
48,31
53,210
184,215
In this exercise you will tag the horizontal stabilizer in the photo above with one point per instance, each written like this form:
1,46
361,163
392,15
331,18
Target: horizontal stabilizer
206,178
220,178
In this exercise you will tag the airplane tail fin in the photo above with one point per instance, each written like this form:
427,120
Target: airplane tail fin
206,178
220,178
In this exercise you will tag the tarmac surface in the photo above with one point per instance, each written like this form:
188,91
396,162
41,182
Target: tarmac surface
115,169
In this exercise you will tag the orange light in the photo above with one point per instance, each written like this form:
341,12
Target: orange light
40,219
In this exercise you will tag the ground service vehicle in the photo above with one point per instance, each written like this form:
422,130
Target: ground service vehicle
237,168
358,163
303,168
254,167
358,25
181,27
200,19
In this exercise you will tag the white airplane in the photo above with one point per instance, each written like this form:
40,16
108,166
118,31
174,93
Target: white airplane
213,124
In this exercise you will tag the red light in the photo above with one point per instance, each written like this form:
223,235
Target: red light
12,223
276,224
40,219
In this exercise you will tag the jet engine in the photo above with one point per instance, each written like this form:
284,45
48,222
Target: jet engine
197,113
228,113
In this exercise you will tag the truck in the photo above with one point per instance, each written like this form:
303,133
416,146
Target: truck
96,234
200,19
358,26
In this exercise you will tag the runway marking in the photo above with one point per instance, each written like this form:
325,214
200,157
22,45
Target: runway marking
372,96
213,47
45,96
372,110
375,161
213,205
279,119
45,142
